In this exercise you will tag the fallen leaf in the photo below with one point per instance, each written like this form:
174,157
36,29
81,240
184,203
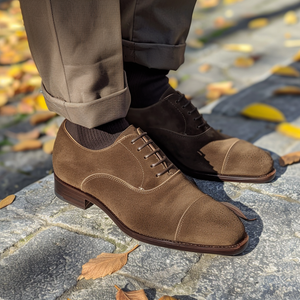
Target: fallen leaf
204,68
287,90
229,2
173,82
258,23
23,136
27,145
104,264
40,103
285,71
3,99
48,146
263,112
208,3
289,130
194,43
290,18
51,130
292,43
220,86
287,35
221,22
15,72
132,295
42,117
7,201
231,91
213,95
199,31
30,68
297,56
24,108
238,47
244,62
5,81
8,110
167,298
289,159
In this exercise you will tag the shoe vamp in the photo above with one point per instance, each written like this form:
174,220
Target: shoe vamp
155,212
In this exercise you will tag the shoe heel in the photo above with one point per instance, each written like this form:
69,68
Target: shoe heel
71,195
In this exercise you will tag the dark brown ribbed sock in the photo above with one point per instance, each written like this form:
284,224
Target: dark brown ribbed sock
99,137
145,85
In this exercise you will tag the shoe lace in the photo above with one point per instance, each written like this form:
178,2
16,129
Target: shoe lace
161,158
187,103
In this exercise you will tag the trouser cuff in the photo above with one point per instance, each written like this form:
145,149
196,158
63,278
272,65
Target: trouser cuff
156,56
93,113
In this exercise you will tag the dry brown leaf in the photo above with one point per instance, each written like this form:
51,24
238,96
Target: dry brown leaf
41,117
24,108
48,146
3,99
27,145
213,95
24,136
7,201
104,264
221,22
285,71
132,295
167,298
194,43
8,110
204,68
244,62
289,159
220,86
208,3
287,90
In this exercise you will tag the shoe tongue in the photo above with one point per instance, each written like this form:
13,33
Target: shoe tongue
167,92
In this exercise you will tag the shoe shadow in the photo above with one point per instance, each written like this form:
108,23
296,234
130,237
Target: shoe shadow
216,190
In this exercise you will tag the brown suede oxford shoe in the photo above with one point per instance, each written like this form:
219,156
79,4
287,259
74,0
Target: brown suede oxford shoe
196,148
145,194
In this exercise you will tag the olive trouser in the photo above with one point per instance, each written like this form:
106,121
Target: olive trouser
79,47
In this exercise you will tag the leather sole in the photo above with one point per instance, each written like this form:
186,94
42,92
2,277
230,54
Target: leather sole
83,200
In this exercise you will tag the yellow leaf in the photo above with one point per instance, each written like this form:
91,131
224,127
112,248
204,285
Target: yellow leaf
238,47
7,201
194,43
167,298
229,2
204,68
289,159
27,145
132,295
263,112
5,81
42,117
15,72
104,264
289,130
244,62
40,103
292,43
297,56
173,82
220,86
258,23
48,146
231,91
285,71
29,67
288,90
290,18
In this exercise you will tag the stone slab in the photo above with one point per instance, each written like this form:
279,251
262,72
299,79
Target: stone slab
48,264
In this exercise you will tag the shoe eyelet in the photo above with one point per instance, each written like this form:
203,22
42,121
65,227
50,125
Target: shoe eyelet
151,166
145,157
156,176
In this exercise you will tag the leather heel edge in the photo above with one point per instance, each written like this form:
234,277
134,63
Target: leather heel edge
70,195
